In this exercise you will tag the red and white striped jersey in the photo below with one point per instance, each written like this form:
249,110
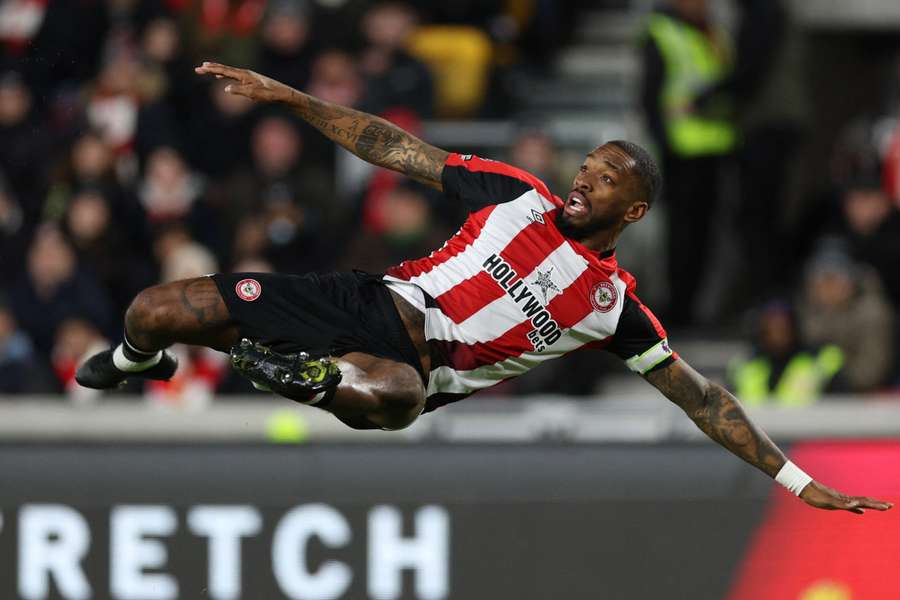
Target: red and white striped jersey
508,291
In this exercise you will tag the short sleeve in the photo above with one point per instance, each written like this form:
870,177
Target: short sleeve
478,182
640,339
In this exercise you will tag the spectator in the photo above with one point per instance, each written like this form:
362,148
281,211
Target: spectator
394,79
289,197
286,51
250,241
332,19
186,259
164,61
107,250
297,195
173,240
218,132
21,20
114,102
224,29
92,163
334,77
781,370
406,229
684,53
13,235
76,340
24,141
21,370
53,288
170,192
872,224
278,159
843,304
44,37
535,151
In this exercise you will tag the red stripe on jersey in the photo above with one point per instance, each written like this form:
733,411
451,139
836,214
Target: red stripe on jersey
574,303
464,357
597,344
660,330
524,252
477,164
628,278
567,309
465,299
464,238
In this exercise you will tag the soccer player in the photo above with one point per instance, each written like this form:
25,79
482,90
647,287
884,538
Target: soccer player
528,277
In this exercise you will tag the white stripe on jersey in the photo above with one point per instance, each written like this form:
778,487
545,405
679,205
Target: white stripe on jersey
496,318
593,327
562,265
502,225
408,291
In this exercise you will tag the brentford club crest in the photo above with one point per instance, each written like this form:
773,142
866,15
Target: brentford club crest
248,289
604,296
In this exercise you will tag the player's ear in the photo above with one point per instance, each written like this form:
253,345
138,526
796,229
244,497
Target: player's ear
636,211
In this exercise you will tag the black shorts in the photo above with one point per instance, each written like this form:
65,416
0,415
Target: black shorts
326,315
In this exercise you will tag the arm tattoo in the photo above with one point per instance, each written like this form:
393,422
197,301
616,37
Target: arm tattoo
372,138
718,414
385,144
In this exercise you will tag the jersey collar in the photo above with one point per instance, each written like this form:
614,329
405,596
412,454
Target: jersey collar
605,260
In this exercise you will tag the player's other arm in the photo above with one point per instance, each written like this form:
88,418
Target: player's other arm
371,138
720,416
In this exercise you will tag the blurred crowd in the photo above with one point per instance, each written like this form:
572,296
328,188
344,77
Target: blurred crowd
818,265
120,168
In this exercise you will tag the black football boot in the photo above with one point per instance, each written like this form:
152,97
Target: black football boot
294,376
99,371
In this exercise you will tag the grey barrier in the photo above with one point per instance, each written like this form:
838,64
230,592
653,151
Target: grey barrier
386,521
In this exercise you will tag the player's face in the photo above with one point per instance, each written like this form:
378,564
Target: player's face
603,194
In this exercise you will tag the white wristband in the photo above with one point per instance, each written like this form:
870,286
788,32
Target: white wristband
793,478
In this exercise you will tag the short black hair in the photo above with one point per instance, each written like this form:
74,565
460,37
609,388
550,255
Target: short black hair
647,170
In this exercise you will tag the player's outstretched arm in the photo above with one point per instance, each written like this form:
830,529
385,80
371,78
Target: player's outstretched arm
720,416
369,137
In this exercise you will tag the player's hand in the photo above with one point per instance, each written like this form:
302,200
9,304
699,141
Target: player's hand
820,496
247,83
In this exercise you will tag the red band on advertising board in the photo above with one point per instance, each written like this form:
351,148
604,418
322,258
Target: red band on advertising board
802,553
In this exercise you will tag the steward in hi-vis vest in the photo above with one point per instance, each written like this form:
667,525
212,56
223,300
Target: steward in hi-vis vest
684,56
693,61
798,381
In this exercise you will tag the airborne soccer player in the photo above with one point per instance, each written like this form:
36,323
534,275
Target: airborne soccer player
529,277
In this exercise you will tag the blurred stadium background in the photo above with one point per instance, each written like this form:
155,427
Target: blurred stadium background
119,168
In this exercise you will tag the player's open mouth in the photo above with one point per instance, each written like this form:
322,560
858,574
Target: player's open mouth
576,205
